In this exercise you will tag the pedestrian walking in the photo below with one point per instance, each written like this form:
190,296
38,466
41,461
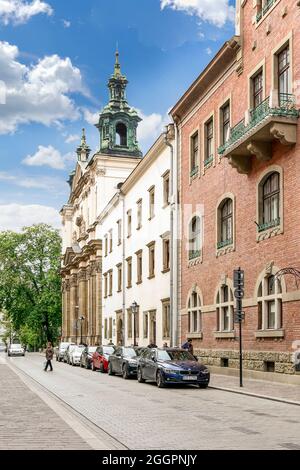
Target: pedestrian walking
188,345
49,356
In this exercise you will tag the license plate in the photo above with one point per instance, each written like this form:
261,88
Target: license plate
190,377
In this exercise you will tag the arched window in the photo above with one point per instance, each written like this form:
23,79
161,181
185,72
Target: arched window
121,134
194,313
225,306
195,238
269,203
269,298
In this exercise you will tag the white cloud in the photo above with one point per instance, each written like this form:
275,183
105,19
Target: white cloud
151,126
16,216
208,51
91,117
37,93
216,12
66,23
46,156
72,138
47,183
20,11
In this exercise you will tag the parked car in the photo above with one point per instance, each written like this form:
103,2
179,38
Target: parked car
68,351
75,355
100,357
15,349
60,351
170,365
124,361
87,356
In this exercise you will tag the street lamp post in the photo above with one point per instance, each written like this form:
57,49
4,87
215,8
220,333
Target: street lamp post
76,321
134,310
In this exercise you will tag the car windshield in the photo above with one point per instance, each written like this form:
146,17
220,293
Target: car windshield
108,350
64,345
16,346
130,352
79,348
175,356
92,349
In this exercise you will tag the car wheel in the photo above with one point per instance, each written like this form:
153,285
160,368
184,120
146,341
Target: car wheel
102,367
110,369
125,373
140,376
160,381
202,385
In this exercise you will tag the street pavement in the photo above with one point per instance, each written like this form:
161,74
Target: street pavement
141,416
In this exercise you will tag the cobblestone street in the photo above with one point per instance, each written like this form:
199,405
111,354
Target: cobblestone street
141,416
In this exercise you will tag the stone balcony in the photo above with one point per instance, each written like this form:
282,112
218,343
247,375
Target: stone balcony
275,119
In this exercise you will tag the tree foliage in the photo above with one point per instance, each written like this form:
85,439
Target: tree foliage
30,285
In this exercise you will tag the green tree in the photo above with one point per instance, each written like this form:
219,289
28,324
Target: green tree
30,285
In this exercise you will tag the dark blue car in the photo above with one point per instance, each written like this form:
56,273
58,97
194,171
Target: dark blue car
170,365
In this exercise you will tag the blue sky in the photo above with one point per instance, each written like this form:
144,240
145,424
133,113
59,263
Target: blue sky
55,60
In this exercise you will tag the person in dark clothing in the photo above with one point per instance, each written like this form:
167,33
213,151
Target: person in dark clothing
188,345
49,356
152,345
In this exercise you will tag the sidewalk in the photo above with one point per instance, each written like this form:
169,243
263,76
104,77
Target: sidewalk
26,422
258,388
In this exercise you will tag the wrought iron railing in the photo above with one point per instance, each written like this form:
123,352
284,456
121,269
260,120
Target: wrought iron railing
208,160
271,224
224,243
194,171
286,107
193,254
264,10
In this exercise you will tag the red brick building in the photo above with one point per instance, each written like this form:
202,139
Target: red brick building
239,167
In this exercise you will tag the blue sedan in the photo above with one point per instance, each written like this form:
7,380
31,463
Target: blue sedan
171,365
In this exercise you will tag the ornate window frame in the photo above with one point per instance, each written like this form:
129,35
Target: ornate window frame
198,309
230,247
222,304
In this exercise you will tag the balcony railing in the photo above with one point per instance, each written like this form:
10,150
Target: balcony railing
208,160
193,254
264,10
271,224
286,107
194,171
224,243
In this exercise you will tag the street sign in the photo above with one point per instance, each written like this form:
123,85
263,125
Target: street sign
239,293
239,316
238,278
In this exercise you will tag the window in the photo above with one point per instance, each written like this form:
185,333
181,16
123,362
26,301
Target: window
146,325
119,268
195,238
129,272
119,224
139,266
225,223
166,320
139,213
194,153
284,73
105,245
151,202
110,329
269,297
121,134
129,322
105,285
105,328
225,306
257,89
166,188
209,142
225,123
129,223
194,313
110,241
269,203
166,254
110,282
151,247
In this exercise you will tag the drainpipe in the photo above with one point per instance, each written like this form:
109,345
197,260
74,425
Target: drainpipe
123,267
173,314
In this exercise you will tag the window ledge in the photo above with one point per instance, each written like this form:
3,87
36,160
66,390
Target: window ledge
129,287
269,334
225,249
224,334
195,261
139,282
151,277
166,270
268,233
198,335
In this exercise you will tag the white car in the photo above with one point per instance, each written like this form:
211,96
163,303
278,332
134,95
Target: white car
75,355
15,350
